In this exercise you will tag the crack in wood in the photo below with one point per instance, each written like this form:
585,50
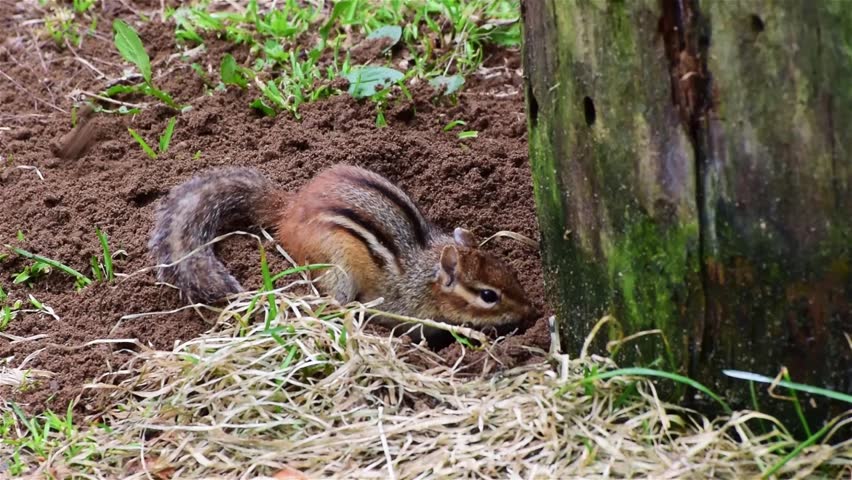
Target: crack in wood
686,40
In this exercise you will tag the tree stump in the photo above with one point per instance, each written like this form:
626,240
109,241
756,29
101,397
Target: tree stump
691,163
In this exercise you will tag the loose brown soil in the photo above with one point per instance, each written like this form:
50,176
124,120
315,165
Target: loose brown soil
482,183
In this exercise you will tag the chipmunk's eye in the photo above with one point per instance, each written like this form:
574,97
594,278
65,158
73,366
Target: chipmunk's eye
488,296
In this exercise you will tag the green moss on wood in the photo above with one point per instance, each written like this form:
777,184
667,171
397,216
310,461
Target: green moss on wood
760,278
647,268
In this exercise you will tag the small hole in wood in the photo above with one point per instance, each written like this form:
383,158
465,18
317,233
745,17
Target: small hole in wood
533,106
757,23
589,110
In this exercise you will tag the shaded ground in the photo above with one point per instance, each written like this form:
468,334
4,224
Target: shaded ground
481,183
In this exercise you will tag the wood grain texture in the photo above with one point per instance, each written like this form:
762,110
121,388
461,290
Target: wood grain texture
692,171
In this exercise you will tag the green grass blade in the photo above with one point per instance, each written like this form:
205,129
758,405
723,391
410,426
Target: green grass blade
755,405
96,269
160,95
648,372
130,46
843,397
291,354
166,137
107,254
37,304
142,143
798,407
268,285
31,427
53,263
454,124
796,451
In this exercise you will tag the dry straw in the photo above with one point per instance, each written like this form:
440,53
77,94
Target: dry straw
316,395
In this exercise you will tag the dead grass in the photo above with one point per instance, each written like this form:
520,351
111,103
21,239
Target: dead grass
316,393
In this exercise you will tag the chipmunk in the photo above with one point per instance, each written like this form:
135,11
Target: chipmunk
346,216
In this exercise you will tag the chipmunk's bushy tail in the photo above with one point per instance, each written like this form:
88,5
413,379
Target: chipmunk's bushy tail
195,213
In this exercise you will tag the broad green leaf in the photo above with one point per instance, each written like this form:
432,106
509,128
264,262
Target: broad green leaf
231,73
392,32
366,81
451,83
200,71
251,12
130,46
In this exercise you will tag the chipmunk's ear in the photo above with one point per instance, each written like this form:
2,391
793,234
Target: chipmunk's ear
449,267
465,238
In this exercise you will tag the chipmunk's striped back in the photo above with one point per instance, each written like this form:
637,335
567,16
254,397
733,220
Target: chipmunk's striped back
356,219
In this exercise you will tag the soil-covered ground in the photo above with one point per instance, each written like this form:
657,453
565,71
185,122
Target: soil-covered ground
53,201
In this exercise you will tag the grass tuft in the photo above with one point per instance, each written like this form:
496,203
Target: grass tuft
296,48
163,142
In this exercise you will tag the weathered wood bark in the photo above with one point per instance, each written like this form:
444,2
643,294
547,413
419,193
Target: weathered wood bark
692,173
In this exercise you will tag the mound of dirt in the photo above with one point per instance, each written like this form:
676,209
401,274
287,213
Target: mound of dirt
481,183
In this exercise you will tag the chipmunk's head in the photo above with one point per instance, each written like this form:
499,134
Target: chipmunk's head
476,288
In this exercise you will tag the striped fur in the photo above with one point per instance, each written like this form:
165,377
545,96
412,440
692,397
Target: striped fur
347,216
193,214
